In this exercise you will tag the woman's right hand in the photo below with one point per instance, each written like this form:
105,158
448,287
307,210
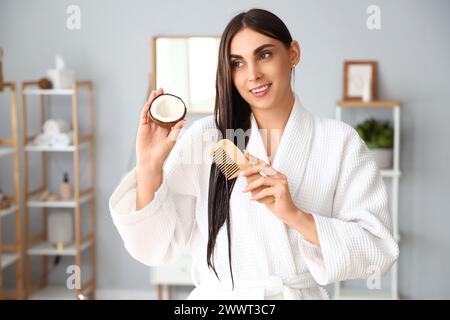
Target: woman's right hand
153,142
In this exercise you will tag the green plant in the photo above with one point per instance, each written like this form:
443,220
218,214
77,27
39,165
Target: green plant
376,134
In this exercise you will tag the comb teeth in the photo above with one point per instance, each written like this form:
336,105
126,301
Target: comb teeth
224,163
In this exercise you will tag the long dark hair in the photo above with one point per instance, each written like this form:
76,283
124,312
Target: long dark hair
233,112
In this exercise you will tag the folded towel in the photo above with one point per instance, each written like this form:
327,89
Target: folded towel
61,139
55,126
42,139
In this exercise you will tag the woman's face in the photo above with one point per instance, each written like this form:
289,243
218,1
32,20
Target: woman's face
258,60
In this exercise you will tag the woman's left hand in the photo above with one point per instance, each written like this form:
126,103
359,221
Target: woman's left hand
276,185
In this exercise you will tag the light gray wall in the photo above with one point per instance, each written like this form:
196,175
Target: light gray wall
112,49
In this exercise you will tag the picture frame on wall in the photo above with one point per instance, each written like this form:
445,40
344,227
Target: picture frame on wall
360,80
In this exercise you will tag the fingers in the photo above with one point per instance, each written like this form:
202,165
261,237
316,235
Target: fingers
175,131
268,171
262,181
259,166
254,160
264,193
254,169
144,112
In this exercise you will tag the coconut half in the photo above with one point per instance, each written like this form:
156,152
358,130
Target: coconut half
167,109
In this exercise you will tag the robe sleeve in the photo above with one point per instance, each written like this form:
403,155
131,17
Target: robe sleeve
158,233
356,241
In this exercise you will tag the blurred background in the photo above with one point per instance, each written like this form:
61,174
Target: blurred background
101,58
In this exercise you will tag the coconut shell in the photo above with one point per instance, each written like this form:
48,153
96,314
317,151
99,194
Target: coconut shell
163,123
45,83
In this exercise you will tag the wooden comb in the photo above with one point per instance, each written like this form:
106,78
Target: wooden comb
231,161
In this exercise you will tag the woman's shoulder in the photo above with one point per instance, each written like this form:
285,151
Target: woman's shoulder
202,130
205,123
198,126
198,135
335,131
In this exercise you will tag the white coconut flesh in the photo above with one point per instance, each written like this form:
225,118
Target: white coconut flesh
167,108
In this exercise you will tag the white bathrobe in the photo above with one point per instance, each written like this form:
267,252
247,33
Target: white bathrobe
331,176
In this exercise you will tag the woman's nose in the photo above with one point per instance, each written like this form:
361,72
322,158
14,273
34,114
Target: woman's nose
253,73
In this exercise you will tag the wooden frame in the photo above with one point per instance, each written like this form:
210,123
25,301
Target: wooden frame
14,251
81,243
1,70
346,79
153,60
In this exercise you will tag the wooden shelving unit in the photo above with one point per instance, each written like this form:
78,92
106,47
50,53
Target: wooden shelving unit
393,174
37,245
11,253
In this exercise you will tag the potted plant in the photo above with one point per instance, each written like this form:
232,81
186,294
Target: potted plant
379,138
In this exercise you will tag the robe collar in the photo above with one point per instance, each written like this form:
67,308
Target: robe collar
292,153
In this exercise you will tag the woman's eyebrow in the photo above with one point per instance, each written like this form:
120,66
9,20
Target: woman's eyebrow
255,52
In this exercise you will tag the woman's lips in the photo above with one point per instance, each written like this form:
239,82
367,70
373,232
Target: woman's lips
262,93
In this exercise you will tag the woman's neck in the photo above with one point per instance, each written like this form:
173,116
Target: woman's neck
277,116
271,123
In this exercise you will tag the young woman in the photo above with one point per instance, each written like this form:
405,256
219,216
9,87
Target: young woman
329,220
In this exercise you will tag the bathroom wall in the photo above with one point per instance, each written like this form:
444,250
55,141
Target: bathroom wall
113,49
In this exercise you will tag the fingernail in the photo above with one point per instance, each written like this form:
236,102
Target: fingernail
242,173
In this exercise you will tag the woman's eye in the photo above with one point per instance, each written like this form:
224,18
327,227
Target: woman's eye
265,54
235,64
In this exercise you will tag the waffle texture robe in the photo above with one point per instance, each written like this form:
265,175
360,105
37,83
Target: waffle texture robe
331,175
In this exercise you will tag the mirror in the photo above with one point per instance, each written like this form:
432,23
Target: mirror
186,67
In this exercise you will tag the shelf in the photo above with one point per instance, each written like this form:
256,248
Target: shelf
390,173
10,146
5,212
48,92
55,292
8,259
32,198
361,104
4,151
71,148
45,248
364,294
36,203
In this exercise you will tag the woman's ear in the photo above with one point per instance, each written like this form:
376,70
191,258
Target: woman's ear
294,53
